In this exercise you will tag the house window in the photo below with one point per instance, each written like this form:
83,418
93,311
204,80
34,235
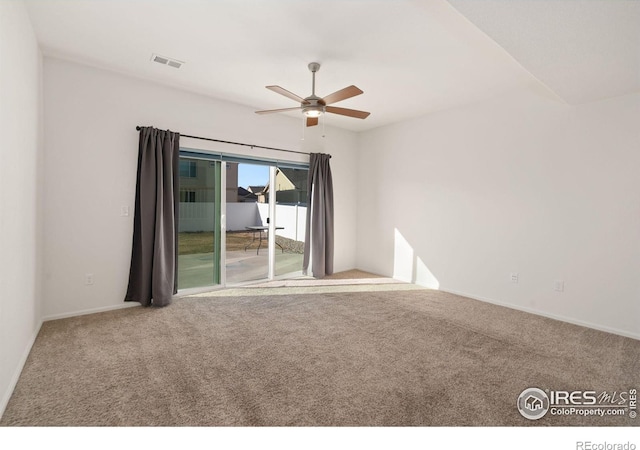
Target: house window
188,169
187,196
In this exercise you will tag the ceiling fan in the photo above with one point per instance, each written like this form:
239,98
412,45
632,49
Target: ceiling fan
313,106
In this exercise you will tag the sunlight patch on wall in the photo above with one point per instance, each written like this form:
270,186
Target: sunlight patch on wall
402,258
408,267
424,277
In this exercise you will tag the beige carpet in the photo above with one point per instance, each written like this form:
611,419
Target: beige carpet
363,358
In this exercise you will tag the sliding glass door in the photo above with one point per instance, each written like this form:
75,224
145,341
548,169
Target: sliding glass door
241,220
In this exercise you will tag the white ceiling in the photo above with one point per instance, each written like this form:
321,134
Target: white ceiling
410,57
583,50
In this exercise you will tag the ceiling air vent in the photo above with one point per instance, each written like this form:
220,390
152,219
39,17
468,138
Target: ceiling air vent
167,61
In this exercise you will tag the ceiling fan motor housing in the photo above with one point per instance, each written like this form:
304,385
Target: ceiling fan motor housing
313,106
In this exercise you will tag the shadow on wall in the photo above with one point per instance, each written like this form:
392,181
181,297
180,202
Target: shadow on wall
409,267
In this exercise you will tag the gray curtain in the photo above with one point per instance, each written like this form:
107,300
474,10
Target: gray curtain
153,277
319,231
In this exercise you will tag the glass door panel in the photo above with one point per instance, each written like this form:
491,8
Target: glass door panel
199,224
291,214
247,218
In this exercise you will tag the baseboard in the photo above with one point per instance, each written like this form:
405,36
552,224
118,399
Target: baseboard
548,315
90,311
16,375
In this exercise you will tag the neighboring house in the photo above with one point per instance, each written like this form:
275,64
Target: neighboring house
232,182
197,181
291,187
245,195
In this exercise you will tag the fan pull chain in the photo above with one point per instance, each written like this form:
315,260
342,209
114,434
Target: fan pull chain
304,119
324,119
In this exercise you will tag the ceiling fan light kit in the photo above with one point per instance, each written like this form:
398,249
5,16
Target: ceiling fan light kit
313,106
313,111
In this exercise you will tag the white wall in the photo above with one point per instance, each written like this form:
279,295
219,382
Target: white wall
523,184
91,144
20,172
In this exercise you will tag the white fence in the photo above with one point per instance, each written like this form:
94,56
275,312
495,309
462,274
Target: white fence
198,217
241,215
292,217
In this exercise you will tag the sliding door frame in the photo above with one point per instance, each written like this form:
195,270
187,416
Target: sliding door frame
220,208
221,214
272,223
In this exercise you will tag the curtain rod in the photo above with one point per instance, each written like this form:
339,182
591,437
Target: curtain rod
237,143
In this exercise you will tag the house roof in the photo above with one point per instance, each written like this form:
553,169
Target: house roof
256,189
242,191
410,57
246,195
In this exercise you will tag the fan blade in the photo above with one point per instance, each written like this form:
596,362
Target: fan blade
342,94
348,112
312,121
291,95
269,111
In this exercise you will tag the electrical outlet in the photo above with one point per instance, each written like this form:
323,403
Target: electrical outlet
88,279
558,286
124,211
515,277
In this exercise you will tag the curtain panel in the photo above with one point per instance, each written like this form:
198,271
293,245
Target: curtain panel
153,273
318,245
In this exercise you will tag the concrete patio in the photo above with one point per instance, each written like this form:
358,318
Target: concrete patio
196,270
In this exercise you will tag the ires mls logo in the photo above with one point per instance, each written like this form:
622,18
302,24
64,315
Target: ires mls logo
633,403
576,398
534,403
